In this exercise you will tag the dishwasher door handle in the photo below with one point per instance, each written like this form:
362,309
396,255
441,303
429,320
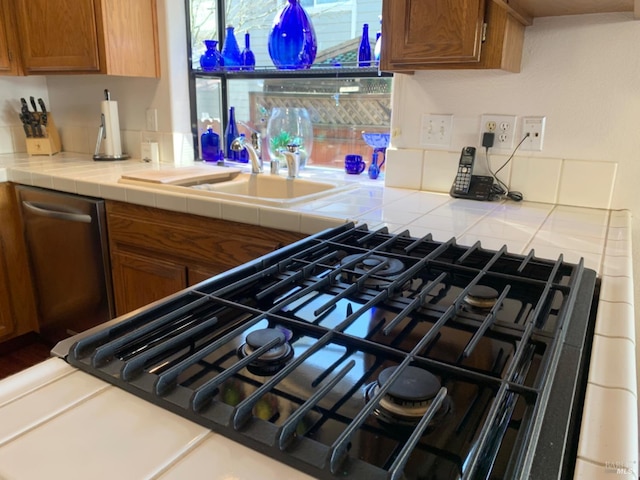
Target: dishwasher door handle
47,211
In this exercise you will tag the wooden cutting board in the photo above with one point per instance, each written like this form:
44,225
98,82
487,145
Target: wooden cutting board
178,175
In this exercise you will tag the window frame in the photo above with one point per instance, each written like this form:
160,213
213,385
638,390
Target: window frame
316,71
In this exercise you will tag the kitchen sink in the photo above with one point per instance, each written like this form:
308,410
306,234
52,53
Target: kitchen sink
264,189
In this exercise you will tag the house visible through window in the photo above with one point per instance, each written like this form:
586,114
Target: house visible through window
340,106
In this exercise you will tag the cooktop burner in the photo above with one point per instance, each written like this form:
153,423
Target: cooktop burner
378,270
481,297
277,351
408,398
361,354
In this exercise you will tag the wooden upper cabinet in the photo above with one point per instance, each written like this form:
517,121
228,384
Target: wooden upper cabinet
439,31
442,34
10,63
115,37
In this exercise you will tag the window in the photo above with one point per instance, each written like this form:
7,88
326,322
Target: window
342,102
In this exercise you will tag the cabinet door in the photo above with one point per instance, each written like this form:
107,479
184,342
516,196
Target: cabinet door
6,316
58,35
416,32
9,60
139,280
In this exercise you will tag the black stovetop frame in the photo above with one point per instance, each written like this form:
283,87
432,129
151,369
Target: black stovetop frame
556,404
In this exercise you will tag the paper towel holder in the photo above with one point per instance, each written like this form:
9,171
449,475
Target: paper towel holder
102,134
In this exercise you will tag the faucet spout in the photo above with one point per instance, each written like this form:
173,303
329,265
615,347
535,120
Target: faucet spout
292,156
241,143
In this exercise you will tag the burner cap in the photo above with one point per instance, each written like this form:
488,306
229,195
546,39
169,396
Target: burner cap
413,386
408,399
481,296
259,338
273,359
392,266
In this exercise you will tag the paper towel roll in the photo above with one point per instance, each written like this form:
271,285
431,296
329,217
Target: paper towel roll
112,145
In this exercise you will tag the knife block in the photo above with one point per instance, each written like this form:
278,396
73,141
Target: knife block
47,145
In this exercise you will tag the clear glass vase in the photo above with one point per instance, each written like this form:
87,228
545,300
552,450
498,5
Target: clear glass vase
292,40
289,126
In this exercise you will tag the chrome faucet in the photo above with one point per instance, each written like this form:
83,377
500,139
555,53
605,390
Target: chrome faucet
241,143
292,156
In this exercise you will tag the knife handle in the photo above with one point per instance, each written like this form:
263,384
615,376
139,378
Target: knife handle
33,103
42,106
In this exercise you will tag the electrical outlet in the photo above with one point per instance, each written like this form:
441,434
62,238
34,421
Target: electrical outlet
152,120
534,126
504,127
436,130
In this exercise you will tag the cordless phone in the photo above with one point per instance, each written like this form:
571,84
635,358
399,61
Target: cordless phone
465,167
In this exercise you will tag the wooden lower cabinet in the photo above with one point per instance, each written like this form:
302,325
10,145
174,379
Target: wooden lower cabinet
155,253
143,280
17,304
6,316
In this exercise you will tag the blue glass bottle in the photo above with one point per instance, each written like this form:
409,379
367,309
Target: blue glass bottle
231,51
364,51
211,59
231,133
292,40
210,144
248,58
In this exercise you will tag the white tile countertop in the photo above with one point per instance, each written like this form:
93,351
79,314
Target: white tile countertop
609,437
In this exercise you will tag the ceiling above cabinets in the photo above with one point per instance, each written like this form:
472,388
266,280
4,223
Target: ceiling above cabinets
551,8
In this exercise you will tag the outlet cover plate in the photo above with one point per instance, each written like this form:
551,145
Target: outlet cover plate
436,130
504,127
534,126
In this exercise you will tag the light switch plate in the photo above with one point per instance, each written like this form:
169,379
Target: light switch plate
436,130
534,126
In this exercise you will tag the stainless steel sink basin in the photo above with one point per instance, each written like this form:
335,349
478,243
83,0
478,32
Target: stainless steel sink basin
261,189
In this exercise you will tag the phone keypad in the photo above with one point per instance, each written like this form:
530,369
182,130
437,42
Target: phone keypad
463,179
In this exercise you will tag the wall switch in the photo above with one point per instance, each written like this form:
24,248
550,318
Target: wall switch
152,119
504,128
534,126
436,130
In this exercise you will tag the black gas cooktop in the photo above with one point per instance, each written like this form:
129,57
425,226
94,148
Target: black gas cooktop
361,354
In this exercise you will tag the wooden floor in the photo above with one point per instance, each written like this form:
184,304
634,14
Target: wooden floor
22,352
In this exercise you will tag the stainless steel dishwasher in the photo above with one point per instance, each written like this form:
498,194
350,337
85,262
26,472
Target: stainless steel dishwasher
69,260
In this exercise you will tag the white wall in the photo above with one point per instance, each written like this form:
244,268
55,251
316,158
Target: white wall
75,99
581,72
11,90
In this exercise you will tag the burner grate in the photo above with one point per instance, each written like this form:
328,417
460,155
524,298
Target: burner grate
345,324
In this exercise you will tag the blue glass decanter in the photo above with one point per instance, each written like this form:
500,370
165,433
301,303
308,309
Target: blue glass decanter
248,58
231,51
210,144
292,40
211,60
